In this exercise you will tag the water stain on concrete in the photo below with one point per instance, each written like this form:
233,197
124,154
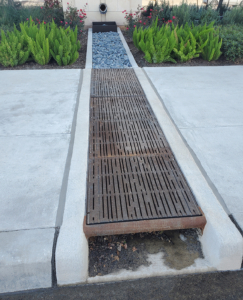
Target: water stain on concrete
112,253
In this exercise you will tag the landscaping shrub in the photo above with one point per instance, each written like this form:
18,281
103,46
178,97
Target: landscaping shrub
75,17
157,44
211,51
39,43
11,14
65,48
133,19
5,29
170,43
234,16
232,41
186,44
209,15
38,40
14,48
182,13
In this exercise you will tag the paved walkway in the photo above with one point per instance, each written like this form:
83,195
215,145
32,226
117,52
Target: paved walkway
36,115
206,104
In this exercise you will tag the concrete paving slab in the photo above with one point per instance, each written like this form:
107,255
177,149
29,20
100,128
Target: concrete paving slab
25,259
31,175
206,105
37,117
220,108
219,150
37,113
39,81
194,78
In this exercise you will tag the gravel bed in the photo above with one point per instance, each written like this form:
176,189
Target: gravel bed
108,51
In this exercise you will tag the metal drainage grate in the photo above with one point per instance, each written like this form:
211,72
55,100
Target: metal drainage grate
133,174
114,82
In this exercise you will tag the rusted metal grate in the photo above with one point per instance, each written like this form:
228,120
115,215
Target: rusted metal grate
133,174
114,83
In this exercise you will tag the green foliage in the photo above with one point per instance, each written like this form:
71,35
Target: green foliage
170,43
14,49
75,18
234,16
182,13
211,51
11,14
66,46
6,28
157,44
210,15
38,40
232,46
186,44
39,43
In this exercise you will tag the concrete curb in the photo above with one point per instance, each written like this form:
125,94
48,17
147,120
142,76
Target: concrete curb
129,53
72,246
221,241
89,58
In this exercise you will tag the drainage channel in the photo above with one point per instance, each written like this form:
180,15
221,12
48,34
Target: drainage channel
134,182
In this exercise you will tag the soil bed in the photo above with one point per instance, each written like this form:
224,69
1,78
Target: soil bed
79,64
109,254
141,62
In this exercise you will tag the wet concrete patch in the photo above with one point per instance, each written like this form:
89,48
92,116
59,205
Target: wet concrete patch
110,254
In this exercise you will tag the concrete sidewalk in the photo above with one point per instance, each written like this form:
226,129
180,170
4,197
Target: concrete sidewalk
206,104
36,117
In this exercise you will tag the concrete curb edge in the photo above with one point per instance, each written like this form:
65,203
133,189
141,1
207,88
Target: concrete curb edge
89,58
72,246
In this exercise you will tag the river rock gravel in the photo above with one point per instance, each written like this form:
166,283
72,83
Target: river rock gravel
108,51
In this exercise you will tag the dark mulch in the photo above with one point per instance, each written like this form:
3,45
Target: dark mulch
109,254
139,57
79,64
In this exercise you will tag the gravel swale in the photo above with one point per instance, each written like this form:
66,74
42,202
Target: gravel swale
108,51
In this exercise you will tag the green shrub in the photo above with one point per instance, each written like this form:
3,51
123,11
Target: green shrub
11,14
157,44
14,49
39,43
66,46
169,43
186,44
232,45
211,51
234,16
209,15
75,17
182,13
5,29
